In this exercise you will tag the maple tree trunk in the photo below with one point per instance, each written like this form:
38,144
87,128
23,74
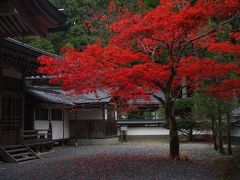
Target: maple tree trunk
229,134
173,133
214,134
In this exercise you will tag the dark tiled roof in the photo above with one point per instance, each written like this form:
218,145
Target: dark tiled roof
140,121
29,17
16,53
18,47
152,101
62,97
55,95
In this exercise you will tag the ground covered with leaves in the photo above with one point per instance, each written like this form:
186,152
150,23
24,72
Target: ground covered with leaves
228,167
123,161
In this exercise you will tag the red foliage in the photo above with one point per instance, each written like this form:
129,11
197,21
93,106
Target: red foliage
226,89
235,36
224,47
154,52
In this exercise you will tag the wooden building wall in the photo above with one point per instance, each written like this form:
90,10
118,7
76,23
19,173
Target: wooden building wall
92,123
83,123
11,104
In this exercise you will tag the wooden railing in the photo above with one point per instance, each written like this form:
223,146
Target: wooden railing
38,138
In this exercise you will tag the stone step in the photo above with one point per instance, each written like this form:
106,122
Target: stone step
21,154
13,147
15,151
26,159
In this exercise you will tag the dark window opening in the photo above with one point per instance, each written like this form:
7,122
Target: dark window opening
57,115
41,114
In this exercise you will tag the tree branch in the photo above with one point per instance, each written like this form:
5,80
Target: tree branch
207,33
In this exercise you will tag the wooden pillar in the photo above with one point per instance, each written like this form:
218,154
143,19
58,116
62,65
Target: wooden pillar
115,114
20,134
105,117
50,136
105,113
63,118
50,129
1,101
115,121
21,123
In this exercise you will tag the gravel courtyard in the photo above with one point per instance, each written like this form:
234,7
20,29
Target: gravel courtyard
123,161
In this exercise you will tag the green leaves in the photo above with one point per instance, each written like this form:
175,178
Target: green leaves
40,43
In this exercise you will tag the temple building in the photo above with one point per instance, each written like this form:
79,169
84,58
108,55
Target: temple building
75,119
17,60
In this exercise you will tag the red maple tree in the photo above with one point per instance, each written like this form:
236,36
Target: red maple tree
163,50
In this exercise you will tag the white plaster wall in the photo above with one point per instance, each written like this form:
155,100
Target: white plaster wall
11,72
147,131
206,132
236,132
153,131
57,127
86,114
41,124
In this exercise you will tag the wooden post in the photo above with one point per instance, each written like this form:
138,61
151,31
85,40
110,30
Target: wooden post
0,101
105,113
20,133
50,135
105,125
115,121
63,117
21,123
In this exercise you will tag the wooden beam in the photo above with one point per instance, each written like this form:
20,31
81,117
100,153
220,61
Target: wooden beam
0,98
17,60
6,8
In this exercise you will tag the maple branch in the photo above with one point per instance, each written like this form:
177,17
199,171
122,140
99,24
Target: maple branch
186,85
207,33
212,31
159,99
190,83
193,2
128,46
154,50
143,46
158,85
132,48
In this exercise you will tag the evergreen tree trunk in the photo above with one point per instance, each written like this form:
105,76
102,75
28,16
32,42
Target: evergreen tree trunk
220,134
229,134
191,134
214,134
173,133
